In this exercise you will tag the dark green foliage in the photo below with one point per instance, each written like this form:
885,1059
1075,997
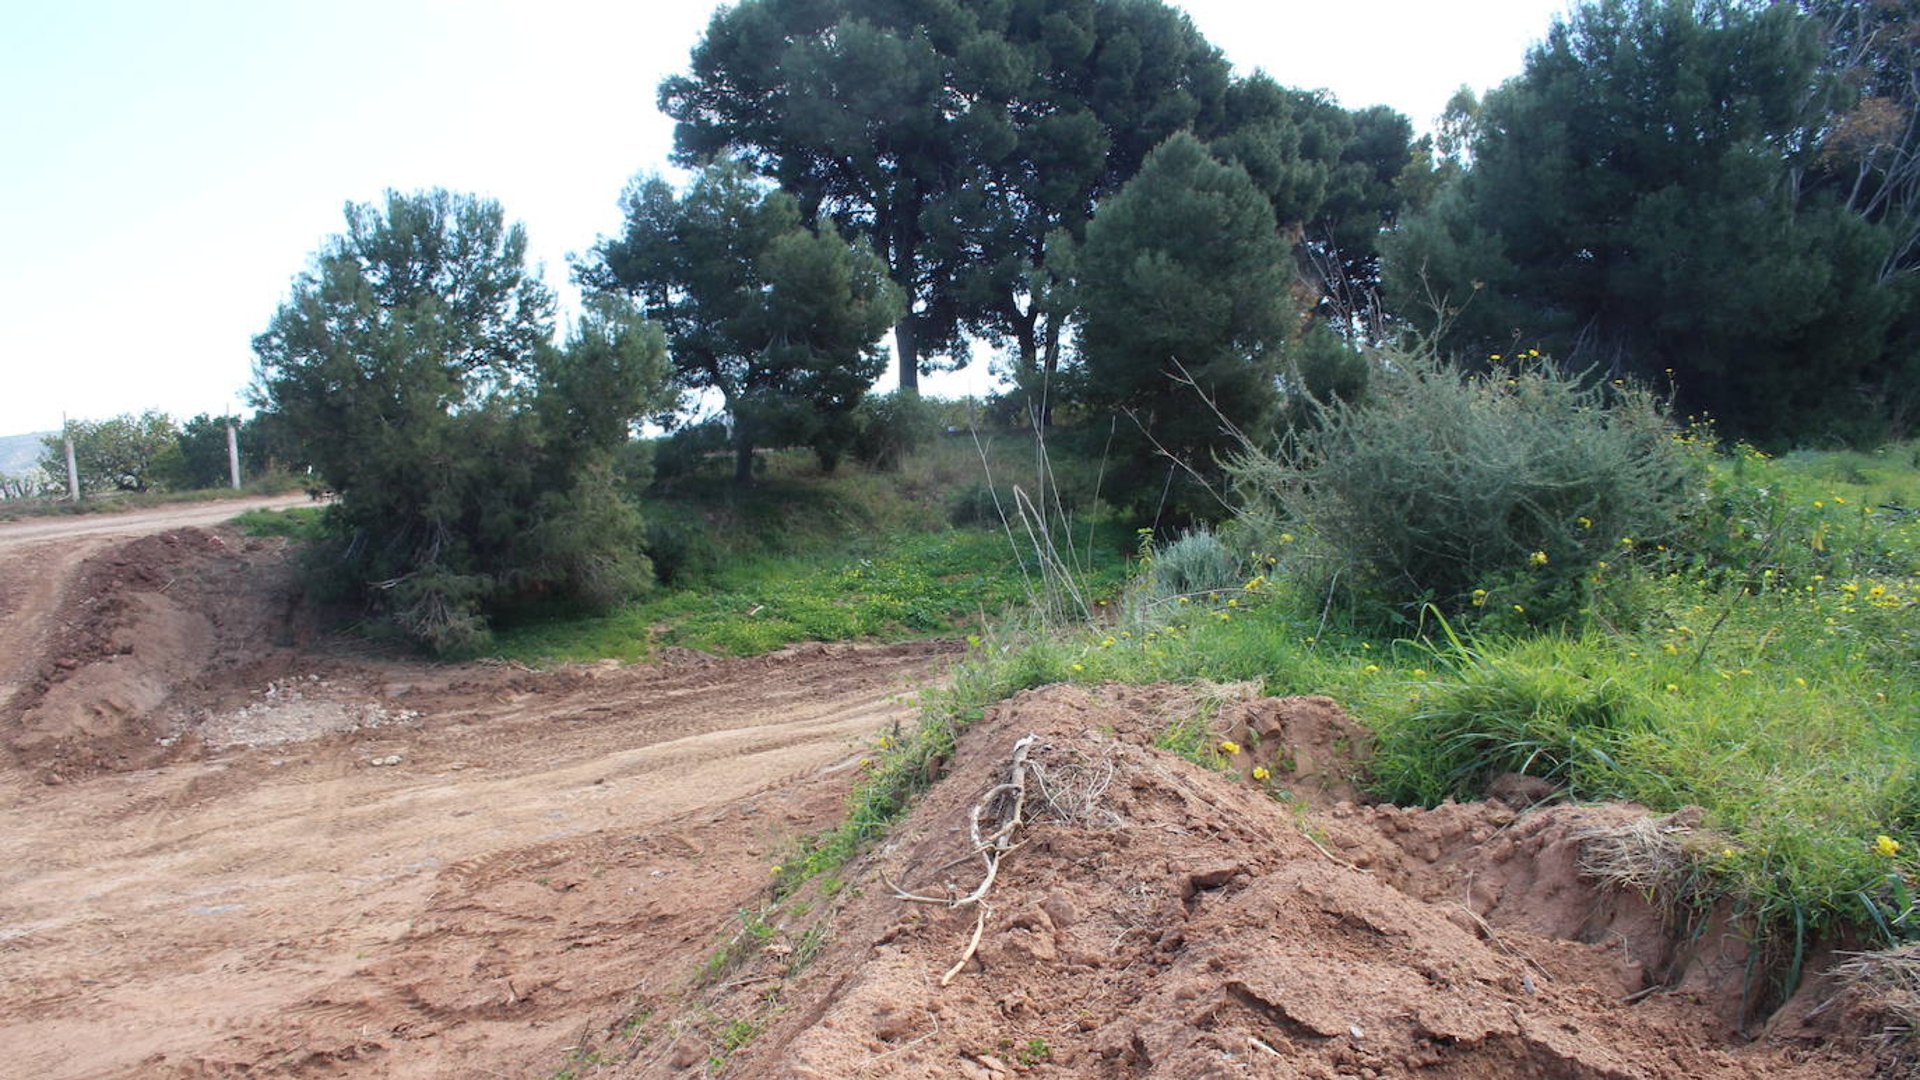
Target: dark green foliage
120,453
970,143
889,427
779,319
680,453
265,447
1434,485
471,456
1654,196
203,453
1183,279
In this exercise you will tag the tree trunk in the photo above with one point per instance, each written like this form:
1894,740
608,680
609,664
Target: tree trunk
906,348
905,219
742,455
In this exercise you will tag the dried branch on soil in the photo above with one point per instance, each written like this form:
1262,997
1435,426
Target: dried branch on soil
1073,789
1007,803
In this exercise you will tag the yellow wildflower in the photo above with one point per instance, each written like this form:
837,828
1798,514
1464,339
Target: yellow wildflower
1538,558
1886,845
1260,772
1228,746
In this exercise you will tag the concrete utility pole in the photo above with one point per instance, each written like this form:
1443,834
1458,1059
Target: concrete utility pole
73,474
233,454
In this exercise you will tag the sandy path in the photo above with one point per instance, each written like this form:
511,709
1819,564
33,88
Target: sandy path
207,913
139,522
453,895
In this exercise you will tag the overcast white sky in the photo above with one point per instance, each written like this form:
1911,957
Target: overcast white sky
169,167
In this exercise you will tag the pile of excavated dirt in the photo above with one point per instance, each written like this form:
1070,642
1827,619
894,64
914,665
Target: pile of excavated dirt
1157,919
142,624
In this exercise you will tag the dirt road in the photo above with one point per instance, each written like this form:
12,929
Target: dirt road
138,522
453,880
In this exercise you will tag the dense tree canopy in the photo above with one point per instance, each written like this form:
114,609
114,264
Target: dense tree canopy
1184,284
967,141
780,319
415,363
121,453
1657,193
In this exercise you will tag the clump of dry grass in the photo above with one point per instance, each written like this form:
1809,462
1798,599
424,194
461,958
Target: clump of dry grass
1888,984
1657,857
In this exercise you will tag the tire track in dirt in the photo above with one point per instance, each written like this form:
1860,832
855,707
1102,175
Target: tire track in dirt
209,911
442,895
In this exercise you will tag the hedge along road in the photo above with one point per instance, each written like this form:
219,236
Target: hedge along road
372,866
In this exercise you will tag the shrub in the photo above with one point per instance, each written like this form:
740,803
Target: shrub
887,428
1198,562
1512,490
681,453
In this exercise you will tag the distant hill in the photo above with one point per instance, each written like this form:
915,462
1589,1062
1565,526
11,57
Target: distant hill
19,453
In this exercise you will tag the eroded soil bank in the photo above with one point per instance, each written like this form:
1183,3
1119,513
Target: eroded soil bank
1161,920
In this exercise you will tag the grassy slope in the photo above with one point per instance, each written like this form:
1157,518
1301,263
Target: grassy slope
1786,702
858,555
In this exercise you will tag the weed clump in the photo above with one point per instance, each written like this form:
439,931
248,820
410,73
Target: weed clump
1517,715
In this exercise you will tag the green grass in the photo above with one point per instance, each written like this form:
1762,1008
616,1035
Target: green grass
801,556
298,523
907,586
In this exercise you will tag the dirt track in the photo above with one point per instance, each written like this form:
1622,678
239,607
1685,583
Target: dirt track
454,890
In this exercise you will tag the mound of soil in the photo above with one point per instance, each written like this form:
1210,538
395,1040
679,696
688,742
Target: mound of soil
143,622
1158,919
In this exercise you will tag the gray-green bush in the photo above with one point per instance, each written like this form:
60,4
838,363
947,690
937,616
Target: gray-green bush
1512,490
1197,562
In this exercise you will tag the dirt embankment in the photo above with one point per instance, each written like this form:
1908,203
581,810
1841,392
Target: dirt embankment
1160,920
231,851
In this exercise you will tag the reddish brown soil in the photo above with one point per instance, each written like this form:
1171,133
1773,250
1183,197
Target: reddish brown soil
1188,924
233,848
226,854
